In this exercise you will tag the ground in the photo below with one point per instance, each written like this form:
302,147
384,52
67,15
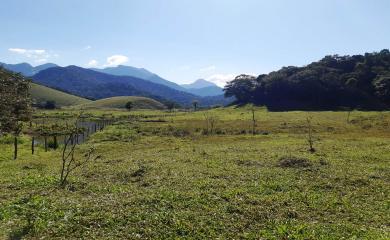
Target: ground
165,175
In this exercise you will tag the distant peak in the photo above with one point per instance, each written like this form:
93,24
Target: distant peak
199,83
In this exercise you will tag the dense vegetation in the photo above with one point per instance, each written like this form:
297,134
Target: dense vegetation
167,175
334,82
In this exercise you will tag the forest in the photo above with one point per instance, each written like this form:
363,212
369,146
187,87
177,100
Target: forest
333,83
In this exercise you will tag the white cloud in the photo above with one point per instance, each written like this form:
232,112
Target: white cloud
116,60
92,63
39,55
87,47
208,68
41,60
18,50
221,79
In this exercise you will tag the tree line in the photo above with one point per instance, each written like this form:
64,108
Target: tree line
334,82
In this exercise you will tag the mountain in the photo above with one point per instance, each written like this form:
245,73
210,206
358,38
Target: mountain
26,69
42,67
141,73
203,88
96,85
200,83
206,91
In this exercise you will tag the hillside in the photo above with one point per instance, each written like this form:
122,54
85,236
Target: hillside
334,82
42,94
120,102
96,85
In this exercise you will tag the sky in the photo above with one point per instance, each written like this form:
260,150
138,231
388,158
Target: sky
184,40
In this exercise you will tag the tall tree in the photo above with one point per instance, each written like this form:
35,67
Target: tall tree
15,104
195,104
242,87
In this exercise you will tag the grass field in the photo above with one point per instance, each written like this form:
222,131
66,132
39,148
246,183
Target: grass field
170,175
120,102
41,94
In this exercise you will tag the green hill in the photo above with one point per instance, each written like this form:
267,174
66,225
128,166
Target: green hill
120,102
41,94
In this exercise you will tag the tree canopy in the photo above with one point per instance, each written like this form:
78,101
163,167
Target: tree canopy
359,81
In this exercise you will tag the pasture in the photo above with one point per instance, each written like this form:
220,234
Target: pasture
207,175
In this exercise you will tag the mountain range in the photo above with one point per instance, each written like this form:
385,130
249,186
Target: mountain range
200,87
119,81
26,69
141,73
96,85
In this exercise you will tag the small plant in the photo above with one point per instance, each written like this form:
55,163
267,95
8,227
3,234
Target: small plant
70,162
68,158
211,122
253,121
310,137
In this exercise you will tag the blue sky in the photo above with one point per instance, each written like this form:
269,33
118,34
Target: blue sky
183,40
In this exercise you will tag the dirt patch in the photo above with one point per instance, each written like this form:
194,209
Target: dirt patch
294,162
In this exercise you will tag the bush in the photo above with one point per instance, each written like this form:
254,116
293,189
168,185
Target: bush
50,105
9,139
52,144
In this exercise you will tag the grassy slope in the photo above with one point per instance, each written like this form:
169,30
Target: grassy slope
42,94
161,180
120,102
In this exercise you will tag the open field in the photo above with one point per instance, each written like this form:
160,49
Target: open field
41,94
204,175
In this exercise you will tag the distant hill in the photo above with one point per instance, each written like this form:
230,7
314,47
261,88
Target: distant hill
41,94
96,85
141,73
200,83
26,69
120,102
